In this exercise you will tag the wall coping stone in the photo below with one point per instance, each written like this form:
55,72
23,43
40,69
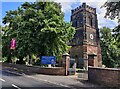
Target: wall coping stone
101,68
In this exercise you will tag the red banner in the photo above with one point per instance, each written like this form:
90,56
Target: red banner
13,44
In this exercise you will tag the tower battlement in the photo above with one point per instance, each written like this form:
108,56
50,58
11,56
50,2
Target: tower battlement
84,7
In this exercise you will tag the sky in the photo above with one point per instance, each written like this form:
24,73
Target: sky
67,6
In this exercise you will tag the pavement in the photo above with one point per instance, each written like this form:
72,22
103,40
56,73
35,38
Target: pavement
78,81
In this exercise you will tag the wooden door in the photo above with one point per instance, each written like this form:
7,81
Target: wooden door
90,60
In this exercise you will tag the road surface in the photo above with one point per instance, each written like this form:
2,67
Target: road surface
14,81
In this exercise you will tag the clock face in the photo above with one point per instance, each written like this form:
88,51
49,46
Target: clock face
91,36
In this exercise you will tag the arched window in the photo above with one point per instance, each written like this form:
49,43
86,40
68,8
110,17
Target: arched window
74,23
90,20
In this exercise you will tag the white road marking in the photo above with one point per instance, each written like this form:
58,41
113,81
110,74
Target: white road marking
15,86
14,73
2,79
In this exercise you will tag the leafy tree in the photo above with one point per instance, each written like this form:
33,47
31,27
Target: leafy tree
112,9
116,34
38,28
6,43
0,42
112,12
110,51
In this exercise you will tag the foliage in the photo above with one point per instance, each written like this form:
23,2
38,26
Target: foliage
3,59
112,12
112,9
110,50
0,42
116,34
38,28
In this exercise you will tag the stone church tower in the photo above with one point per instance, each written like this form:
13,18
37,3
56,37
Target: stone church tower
86,42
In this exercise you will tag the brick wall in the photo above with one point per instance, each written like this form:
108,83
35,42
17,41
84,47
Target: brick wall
105,76
36,69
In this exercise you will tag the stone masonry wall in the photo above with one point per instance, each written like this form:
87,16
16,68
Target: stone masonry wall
35,69
105,76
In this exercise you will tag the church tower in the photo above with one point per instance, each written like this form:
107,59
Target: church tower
86,42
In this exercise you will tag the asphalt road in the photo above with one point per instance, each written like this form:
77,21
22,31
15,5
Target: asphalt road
14,81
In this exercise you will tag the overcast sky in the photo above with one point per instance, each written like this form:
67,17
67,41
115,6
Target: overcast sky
67,6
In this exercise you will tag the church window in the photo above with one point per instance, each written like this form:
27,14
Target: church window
78,23
91,20
74,23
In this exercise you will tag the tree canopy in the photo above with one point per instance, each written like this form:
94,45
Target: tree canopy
109,48
112,9
39,28
113,12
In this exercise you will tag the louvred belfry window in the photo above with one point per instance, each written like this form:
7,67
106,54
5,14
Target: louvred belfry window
90,20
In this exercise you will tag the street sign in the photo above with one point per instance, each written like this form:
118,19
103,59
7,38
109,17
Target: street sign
48,60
